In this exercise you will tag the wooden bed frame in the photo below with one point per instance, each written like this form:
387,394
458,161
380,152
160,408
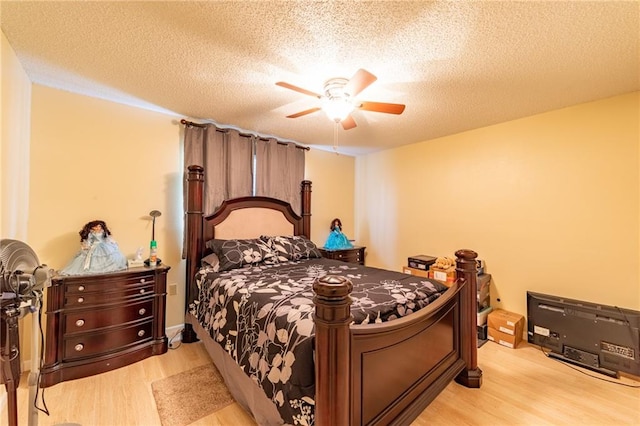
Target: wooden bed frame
354,384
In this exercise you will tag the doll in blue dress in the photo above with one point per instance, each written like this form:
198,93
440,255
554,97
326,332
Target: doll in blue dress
336,239
98,253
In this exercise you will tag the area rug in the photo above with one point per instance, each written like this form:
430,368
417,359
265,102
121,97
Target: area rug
191,395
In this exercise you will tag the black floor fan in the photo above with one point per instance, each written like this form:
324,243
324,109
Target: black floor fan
22,281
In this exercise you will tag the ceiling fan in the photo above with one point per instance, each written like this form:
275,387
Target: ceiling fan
338,99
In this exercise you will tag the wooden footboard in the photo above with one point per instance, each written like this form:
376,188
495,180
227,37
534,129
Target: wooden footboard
388,373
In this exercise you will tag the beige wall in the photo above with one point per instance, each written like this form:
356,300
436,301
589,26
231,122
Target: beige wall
332,196
550,202
94,159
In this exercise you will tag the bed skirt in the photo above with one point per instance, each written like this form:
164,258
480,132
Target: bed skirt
242,388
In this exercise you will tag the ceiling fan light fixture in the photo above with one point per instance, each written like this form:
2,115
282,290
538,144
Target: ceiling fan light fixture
337,109
336,103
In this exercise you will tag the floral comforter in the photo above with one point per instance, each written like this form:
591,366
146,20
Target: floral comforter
262,316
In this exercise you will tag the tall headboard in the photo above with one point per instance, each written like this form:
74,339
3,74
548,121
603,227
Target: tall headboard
245,217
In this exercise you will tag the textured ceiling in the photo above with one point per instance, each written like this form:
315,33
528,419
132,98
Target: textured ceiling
456,65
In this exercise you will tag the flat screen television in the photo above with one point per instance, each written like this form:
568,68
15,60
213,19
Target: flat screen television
595,336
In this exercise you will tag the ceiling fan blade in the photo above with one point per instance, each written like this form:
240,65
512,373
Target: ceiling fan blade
348,123
360,81
297,89
305,112
382,107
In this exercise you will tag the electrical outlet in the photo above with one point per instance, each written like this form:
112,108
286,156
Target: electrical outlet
173,289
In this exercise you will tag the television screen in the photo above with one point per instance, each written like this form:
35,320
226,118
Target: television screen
600,337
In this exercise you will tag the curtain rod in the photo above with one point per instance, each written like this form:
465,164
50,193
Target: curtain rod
202,126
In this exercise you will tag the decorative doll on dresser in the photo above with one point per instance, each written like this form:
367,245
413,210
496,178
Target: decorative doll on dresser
336,239
98,253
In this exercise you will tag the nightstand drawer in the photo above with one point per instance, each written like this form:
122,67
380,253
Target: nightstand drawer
83,321
87,345
350,255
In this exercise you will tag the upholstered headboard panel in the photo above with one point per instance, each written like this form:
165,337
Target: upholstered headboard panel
252,222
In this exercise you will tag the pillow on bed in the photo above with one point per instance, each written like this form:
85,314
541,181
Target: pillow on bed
237,253
293,247
212,261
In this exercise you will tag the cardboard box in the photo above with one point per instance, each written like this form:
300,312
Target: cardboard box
446,276
414,271
504,339
506,322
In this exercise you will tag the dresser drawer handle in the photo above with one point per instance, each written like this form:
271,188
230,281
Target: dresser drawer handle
142,311
80,299
81,288
142,280
142,290
141,333
80,323
79,347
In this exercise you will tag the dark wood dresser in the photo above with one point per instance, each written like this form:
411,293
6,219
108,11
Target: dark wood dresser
351,255
97,323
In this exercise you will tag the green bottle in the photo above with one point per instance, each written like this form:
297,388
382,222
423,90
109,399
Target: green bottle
153,253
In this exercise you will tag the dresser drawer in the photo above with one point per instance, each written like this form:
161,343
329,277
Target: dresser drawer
83,321
91,344
83,285
74,300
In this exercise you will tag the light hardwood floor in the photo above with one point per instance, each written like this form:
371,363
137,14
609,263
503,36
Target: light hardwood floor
520,386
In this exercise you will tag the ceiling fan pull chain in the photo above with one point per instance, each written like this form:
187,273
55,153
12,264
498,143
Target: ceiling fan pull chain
335,136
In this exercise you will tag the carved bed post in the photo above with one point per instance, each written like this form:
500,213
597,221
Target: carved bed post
195,190
333,350
306,208
471,376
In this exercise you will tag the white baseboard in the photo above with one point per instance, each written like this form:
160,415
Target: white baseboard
174,334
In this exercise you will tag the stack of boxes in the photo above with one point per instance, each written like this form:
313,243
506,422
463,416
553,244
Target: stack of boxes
505,327
498,325
423,266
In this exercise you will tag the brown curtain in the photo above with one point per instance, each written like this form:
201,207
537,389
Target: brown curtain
279,170
226,157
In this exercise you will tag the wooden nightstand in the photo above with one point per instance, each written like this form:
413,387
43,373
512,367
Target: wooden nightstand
97,323
351,255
